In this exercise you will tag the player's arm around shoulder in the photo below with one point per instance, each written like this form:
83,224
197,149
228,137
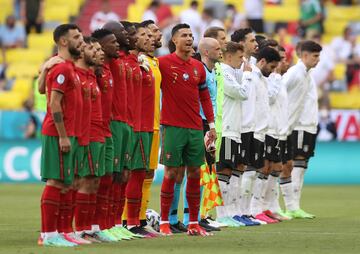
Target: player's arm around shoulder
44,69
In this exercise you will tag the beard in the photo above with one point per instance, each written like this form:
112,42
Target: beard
74,52
158,44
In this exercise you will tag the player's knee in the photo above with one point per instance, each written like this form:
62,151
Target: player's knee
300,163
193,172
56,183
150,174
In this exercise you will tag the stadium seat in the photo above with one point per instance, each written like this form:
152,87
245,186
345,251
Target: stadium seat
31,56
42,41
339,71
74,5
343,13
22,70
345,100
10,100
6,9
335,27
135,12
281,13
23,87
57,13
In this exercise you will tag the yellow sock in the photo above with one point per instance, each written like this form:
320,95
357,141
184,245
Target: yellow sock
145,198
124,215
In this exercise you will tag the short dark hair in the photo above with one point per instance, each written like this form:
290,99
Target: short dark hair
177,27
147,23
269,54
62,30
233,47
209,11
154,4
171,46
240,34
268,43
194,3
281,48
126,24
213,31
89,39
137,25
260,38
310,46
101,33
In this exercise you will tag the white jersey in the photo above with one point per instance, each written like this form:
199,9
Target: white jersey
278,122
262,107
298,82
234,93
309,120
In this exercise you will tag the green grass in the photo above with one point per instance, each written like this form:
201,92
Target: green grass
335,230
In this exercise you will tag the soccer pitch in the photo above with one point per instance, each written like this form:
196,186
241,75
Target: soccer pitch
335,230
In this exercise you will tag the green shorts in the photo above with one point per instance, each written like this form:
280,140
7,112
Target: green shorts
81,159
56,164
109,155
182,146
96,160
121,133
141,154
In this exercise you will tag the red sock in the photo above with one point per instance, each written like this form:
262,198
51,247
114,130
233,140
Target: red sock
50,202
111,212
102,199
81,210
166,197
193,198
65,212
117,203
122,200
92,209
133,196
68,212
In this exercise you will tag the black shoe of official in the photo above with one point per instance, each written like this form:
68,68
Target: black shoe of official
178,228
205,225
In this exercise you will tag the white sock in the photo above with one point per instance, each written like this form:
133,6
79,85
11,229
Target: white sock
297,176
256,200
287,190
270,194
118,225
234,194
247,181
50,234
275,205
95,228
221,210
238,193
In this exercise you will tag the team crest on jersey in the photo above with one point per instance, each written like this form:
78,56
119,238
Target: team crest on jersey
111,82
60,79
195,72
306,148
137,77
128,73
185,77
168,156
268,149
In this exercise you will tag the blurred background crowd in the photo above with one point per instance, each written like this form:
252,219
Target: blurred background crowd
26,41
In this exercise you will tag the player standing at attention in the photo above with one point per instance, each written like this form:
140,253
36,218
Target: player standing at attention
246,37
59,133
183,86
303,119
156,34
119,127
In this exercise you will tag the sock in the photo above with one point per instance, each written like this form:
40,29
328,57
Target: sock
74,192
246,185
173,217
50,202
270,194
121,212
256,200
133,196
297,176
117,203
81,211
166,197
223,184
275,205
145,198
234,193
92,208
102,202
287,190
65,212
193,198
111,211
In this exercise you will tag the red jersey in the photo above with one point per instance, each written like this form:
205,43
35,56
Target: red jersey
87,77
106,86
96,125
136,81
62,78
147,101
183,86
119,107
129,91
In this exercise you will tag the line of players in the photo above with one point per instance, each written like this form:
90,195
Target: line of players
102,126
